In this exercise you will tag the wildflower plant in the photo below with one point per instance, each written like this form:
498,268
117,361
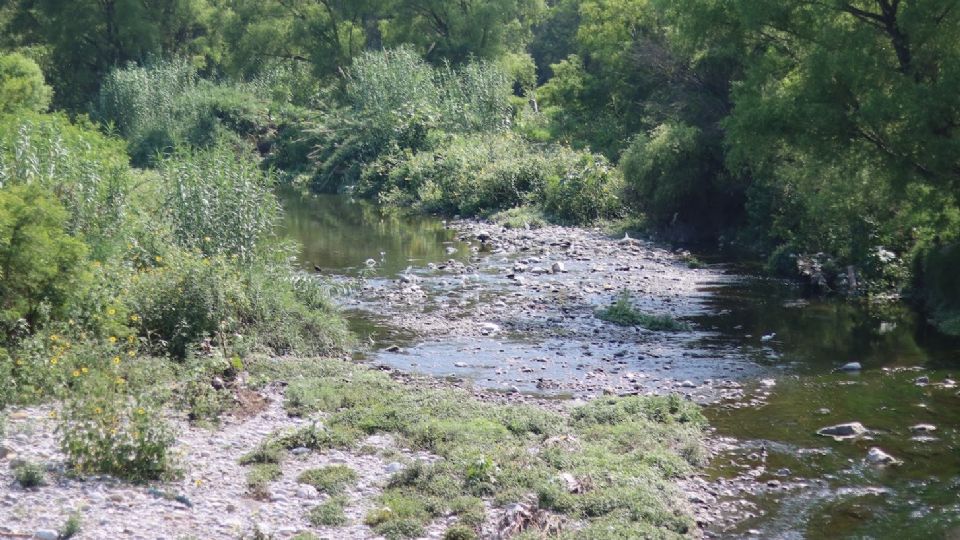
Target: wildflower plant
105,429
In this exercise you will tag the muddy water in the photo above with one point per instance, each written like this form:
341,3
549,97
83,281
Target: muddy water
788,481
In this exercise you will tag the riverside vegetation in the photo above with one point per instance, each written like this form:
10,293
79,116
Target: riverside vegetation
134,295
140,274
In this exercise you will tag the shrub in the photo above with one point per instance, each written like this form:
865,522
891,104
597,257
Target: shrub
29,475
105,430
263,305
21,85
584,189
40,264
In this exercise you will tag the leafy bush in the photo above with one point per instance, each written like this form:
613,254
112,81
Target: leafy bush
40,264
22,87
105,430
240,308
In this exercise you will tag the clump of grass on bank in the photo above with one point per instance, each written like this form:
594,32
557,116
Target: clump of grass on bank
623,452
330,513
332,480
259,478
623,313
521,217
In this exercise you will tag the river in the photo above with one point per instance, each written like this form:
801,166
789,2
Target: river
771,469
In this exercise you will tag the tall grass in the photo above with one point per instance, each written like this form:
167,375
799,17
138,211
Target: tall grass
219,201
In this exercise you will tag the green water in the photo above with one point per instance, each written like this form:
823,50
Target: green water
339,235
832,492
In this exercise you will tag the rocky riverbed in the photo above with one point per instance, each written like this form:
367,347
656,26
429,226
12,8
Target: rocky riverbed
519,316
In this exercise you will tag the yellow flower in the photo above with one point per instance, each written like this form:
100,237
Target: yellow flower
206,238
76,373
19,361
141,411
54,337
111,311
131,354
54,360
134,317
113,339
72,322
130,339
98,410
158,258
198,482
121,380
84,369
96,264
53,414
116,359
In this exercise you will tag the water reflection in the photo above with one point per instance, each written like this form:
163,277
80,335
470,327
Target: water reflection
339,235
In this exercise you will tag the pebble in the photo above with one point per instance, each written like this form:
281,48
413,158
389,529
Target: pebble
46,534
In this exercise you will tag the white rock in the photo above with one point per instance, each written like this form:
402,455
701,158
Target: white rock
394,467
851,366
879,457
307,492
46,534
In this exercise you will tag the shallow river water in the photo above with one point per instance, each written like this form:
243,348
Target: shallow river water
798,484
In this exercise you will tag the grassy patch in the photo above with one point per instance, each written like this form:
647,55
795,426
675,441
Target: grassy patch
329,514
266,452
623,453
623,313
332,480
521,217
259,478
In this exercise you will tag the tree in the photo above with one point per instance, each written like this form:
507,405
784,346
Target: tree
39,262
87,38
21,85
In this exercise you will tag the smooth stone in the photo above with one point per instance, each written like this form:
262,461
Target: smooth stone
851,366
688,384
843,431
394,467
460,364
923,428
46,534
558,268
300,450
307,492
922,380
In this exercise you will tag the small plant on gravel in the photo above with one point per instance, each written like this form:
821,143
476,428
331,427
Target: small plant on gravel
332,480
29,475
459,532
70,528
329,514
259,478
266,452
104,430
305,536
623,313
